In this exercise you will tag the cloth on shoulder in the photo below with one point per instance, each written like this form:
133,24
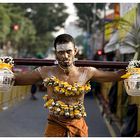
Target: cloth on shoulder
66,127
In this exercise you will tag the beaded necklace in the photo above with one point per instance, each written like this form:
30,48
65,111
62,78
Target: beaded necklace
64,69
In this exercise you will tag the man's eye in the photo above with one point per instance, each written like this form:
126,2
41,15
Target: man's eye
69,51
60,52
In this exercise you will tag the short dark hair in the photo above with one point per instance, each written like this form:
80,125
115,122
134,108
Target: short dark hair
63,38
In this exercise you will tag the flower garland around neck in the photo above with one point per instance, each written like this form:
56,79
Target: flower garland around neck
132,69
65,88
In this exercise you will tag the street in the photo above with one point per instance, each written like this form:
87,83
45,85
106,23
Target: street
28,119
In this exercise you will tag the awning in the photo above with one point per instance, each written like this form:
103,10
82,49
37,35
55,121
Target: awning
126,50
114,45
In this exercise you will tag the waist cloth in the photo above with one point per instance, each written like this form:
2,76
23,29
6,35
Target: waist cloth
63,127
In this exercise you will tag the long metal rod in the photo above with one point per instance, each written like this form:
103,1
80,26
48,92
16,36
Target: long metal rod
83,63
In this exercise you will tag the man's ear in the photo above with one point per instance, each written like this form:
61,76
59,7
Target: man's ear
76,50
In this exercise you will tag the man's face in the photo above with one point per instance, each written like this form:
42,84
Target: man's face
65,54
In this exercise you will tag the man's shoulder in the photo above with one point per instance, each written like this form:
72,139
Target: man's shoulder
48,68
88,68
46,71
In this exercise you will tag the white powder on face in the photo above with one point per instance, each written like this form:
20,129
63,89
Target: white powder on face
64,47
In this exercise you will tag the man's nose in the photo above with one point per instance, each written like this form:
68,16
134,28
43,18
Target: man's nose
65,55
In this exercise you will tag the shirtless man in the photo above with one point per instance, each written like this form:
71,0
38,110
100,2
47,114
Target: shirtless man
66,86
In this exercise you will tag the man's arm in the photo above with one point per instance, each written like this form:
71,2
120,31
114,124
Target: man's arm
107,76
27,78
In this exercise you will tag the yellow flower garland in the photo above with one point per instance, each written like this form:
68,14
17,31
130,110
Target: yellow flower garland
61,87
130,72
6,62
5,65
133,68
59,108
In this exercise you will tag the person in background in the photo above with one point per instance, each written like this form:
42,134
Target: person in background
33,92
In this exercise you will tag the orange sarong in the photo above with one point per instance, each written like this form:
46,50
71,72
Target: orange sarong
66,127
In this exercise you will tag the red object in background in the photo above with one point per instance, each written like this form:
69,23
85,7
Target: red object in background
15,27
99,52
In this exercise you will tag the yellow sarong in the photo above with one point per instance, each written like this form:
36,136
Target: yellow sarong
66,127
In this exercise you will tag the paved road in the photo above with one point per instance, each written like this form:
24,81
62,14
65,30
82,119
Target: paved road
28,118
96,124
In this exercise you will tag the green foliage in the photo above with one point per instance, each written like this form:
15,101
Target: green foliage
43,43
132,39
79,40
4,24
86,15
35,26
47,17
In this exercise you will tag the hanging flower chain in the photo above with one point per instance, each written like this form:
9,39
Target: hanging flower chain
59,108
61,87
6,62
133,68
134,63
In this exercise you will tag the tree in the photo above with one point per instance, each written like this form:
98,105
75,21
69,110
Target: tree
21,37
34,26
43,44
5,23
47,17
86,14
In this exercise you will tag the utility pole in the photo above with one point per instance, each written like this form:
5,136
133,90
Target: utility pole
104,9
94,17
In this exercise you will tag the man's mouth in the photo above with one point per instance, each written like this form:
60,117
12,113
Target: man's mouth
66,61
